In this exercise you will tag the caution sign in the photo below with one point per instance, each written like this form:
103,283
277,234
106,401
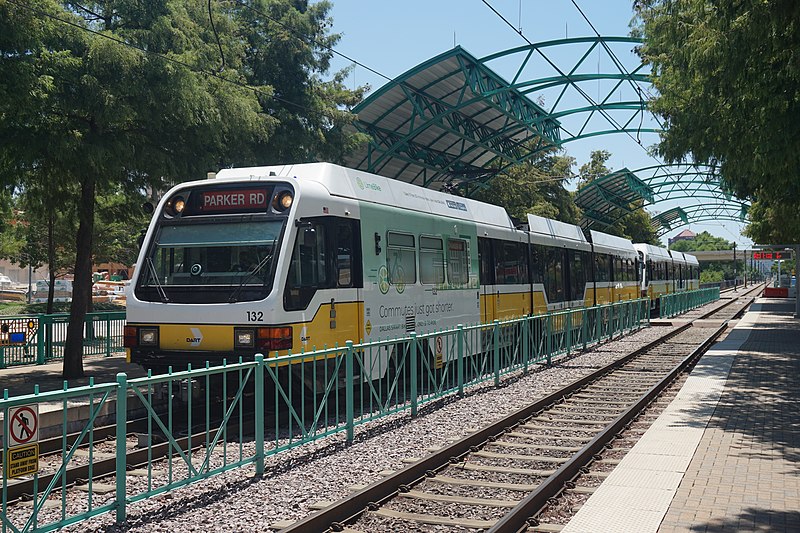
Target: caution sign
22,461
439,353
23,425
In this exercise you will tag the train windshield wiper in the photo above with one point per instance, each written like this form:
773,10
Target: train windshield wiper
162,294
255,270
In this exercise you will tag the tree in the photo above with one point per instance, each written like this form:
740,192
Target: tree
121,93
702,242
535,187
728,81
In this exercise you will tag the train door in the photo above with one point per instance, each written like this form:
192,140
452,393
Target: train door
512,287
324,281
487,281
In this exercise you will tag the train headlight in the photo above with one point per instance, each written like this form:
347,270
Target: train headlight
175,205
244,338
282,201
148,336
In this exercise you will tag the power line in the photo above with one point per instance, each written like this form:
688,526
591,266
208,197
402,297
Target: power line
617,62
583,93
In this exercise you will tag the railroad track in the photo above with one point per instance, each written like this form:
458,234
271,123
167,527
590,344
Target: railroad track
503,477
102,461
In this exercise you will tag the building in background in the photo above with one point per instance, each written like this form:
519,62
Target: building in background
685,235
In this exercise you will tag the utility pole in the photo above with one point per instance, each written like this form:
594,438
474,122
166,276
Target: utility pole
734,267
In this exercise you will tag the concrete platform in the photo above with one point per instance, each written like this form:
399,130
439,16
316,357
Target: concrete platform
725,454
20,380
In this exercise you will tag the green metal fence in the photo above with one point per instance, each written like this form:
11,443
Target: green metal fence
680,302
43,336
182,427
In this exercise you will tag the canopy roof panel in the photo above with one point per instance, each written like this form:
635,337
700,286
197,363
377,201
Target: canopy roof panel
604,198
449,118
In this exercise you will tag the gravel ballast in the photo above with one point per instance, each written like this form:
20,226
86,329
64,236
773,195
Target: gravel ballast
327,469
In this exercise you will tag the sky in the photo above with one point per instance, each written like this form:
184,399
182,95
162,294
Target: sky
388,38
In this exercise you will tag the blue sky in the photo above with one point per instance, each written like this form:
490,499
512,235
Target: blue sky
392,37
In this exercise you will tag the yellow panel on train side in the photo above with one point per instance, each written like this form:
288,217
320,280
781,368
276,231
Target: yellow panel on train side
318,333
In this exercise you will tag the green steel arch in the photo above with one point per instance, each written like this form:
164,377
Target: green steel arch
609,198
453,123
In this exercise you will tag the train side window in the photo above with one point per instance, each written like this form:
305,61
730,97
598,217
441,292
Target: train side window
348,260
587,261
431,260
309,268
537,260
511,265
577,274
401,258
554,275
603,267
457,261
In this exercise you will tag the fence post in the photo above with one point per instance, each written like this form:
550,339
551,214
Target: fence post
460,348
40,332
569,331
108,334
122,427
526,348
548,335
496,352
2,357
259,422
349,392
412,364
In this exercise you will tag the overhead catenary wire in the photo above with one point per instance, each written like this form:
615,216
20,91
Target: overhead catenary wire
583,93
617,62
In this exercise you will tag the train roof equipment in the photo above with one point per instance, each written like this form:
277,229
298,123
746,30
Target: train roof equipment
692,260
363,186
677,257
613,245
653,253
547,231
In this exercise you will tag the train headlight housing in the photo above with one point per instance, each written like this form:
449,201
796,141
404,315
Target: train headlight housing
148,336
244,338
175,206
282,201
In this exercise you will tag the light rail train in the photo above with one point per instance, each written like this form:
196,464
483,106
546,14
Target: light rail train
273,259
666,272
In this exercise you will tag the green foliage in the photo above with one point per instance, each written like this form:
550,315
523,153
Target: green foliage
535,187
728,77
711,276
702,242
117,96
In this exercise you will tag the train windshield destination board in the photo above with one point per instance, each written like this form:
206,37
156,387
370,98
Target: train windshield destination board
229,200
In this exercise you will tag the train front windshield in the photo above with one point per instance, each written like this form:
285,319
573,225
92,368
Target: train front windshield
211,263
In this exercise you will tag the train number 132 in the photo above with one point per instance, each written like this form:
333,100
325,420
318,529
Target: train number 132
255,316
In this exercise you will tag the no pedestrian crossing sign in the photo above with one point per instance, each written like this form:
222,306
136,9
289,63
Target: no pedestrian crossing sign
22,428
23,425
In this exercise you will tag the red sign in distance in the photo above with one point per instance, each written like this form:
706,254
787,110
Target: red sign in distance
232,200
774,256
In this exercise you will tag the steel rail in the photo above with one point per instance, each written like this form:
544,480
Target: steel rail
519,517
350,507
